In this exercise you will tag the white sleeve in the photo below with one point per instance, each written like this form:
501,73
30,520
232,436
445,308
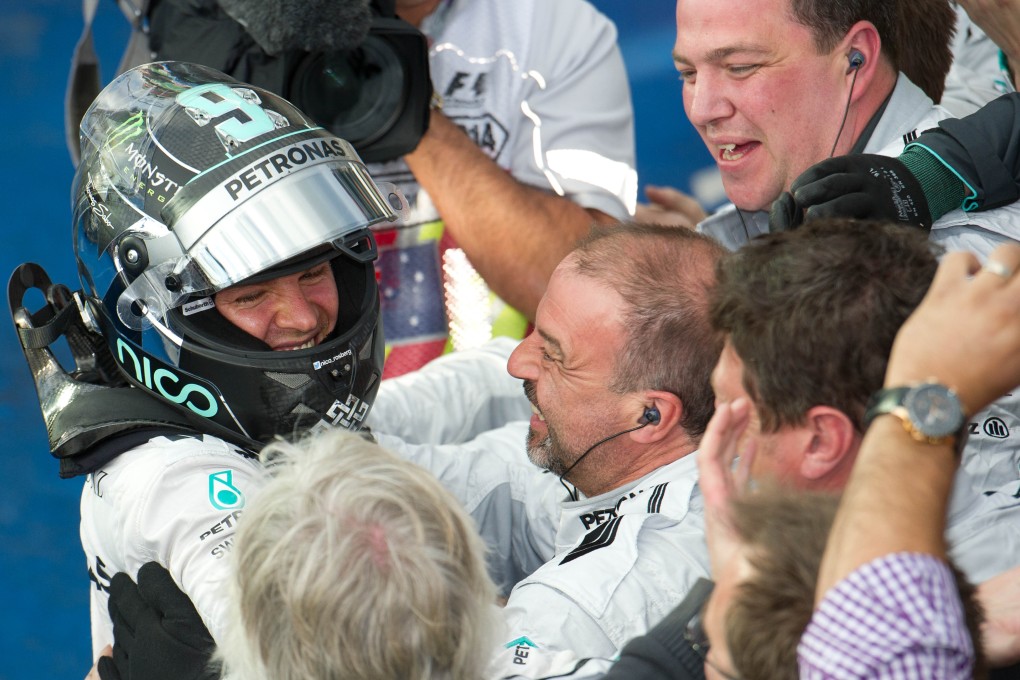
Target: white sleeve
522,662
162,505
514,503
616,583
976,76
555,621
580,138
453,398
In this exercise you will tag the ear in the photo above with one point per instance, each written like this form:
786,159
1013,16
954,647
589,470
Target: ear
670,412
862,37
830,453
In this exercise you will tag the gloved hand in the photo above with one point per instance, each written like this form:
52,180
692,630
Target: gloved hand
158,634
861,186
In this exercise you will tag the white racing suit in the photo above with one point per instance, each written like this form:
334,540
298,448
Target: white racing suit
590,574
984,511
977,75
173,500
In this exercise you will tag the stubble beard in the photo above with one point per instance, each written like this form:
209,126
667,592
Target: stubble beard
545,453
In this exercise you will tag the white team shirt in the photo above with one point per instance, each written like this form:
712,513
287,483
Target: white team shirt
173,500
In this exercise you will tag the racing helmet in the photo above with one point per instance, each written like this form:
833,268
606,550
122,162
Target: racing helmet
191,182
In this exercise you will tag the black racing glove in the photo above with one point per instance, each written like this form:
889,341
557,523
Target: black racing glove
158,634
861,186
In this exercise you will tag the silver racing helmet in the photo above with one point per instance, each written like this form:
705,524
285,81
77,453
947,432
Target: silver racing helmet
191,182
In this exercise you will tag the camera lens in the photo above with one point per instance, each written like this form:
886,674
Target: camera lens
358,94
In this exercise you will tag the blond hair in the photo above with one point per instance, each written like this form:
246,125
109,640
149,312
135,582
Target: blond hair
351,563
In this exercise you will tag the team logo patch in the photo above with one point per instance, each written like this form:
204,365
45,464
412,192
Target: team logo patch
996,427
222,493
593,540
655,501
521,641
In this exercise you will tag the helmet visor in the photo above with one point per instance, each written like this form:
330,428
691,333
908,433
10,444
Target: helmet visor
300,212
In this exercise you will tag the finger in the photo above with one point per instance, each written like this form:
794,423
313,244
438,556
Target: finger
826,189
125,604
1002,263
740,410
107,669
176,610
124,632
673,199
718,450
852,206
953,271
784,215
654,214
840,165
710,470
742,475
94,671
997,272
157,587
678,205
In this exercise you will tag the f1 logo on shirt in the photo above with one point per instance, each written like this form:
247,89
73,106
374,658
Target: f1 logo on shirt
222,493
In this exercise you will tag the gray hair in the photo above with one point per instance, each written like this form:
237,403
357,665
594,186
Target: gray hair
351,563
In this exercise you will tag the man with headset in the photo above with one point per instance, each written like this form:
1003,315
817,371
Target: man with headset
842,60
616,373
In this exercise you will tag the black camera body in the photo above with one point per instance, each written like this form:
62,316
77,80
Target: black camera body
375,95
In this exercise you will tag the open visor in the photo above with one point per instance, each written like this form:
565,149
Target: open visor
227,237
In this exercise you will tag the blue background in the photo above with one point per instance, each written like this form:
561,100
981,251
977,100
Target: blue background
44,630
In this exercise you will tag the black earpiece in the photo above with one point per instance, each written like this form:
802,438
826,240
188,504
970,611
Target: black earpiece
856,58
650,416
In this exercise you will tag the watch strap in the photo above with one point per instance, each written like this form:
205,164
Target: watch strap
884,401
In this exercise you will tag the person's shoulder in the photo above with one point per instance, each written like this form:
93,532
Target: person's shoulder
171,455
624,575
620,549
175,476
573,20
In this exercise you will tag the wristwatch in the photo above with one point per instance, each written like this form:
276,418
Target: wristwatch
930,412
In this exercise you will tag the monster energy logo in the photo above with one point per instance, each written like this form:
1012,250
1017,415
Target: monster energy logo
126,131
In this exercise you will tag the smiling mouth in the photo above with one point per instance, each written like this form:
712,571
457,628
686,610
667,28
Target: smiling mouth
306,345
734,152
534,409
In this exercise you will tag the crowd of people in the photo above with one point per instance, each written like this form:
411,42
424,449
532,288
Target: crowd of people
777,443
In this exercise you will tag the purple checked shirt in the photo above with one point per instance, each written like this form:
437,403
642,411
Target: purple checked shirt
897,617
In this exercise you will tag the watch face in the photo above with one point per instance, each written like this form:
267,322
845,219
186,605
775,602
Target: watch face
934,410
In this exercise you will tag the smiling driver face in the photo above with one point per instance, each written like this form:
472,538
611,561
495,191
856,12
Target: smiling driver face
291,312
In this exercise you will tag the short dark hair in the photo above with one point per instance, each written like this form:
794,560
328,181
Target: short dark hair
924,50
663,275
812,313
830,21
916,34
784,533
